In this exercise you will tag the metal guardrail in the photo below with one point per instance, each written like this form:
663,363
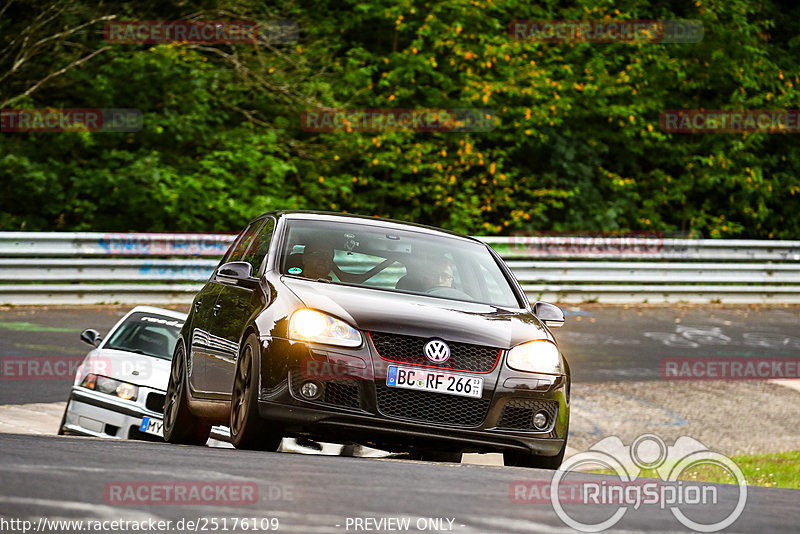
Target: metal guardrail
59,244
90,268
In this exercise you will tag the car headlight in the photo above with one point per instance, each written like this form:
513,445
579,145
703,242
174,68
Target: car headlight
310,325
103,384
127,391
540,356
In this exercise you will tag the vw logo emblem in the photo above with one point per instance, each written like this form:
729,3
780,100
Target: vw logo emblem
437,351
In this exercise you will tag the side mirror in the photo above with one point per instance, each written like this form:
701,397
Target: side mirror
91,336
549,314
240,271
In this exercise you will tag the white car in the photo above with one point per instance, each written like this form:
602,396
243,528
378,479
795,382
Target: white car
120,387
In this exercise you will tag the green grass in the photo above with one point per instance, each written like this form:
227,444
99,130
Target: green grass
22,326
778,470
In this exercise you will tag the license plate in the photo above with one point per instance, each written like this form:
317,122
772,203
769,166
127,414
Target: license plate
437,381
152,426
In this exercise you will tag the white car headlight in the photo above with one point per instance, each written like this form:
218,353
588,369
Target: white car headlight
103,384
540,356
310,325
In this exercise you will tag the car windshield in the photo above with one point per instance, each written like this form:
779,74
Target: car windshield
392,259
146,333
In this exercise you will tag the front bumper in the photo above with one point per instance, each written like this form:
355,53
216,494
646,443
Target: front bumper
90,413
388,434
363,409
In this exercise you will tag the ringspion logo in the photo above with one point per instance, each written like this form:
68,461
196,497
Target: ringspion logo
696,505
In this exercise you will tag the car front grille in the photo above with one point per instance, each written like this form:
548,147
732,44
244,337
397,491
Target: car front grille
518,413
342,393
155,402
410,349
431,407
338,392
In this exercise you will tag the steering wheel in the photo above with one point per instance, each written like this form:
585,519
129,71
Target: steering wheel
447,292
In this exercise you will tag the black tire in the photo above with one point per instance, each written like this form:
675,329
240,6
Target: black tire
61,430
437,456
248,429
180,425
526,459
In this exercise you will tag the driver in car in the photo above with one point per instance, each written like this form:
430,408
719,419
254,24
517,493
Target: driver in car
317,261
439,275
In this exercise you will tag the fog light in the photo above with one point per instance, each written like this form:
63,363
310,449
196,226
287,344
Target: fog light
309,390
540,420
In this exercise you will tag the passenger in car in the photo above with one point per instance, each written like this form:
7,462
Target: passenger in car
317,261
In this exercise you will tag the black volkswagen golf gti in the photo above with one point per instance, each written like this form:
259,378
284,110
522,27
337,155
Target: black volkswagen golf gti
362,330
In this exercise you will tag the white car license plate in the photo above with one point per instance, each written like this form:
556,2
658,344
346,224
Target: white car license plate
152,426
438,381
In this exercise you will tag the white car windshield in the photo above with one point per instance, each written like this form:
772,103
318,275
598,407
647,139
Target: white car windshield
146,333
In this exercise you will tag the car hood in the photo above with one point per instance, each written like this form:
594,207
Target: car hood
418,315
131,367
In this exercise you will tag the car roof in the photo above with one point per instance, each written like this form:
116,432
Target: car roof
369,221
158,311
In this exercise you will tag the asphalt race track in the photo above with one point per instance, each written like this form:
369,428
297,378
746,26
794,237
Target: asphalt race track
66,477
615,353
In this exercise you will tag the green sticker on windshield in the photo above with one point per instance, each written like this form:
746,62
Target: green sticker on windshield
295,270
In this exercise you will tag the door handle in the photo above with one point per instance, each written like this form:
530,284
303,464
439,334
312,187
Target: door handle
216,308
197,305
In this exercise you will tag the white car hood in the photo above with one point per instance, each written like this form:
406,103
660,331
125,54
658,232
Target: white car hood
129,367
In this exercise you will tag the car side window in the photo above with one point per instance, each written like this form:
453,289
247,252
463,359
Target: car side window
240,244
260,246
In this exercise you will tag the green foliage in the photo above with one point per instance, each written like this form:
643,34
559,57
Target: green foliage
577,144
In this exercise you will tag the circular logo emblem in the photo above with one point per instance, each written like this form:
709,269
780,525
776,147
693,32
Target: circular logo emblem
294,270
437,351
